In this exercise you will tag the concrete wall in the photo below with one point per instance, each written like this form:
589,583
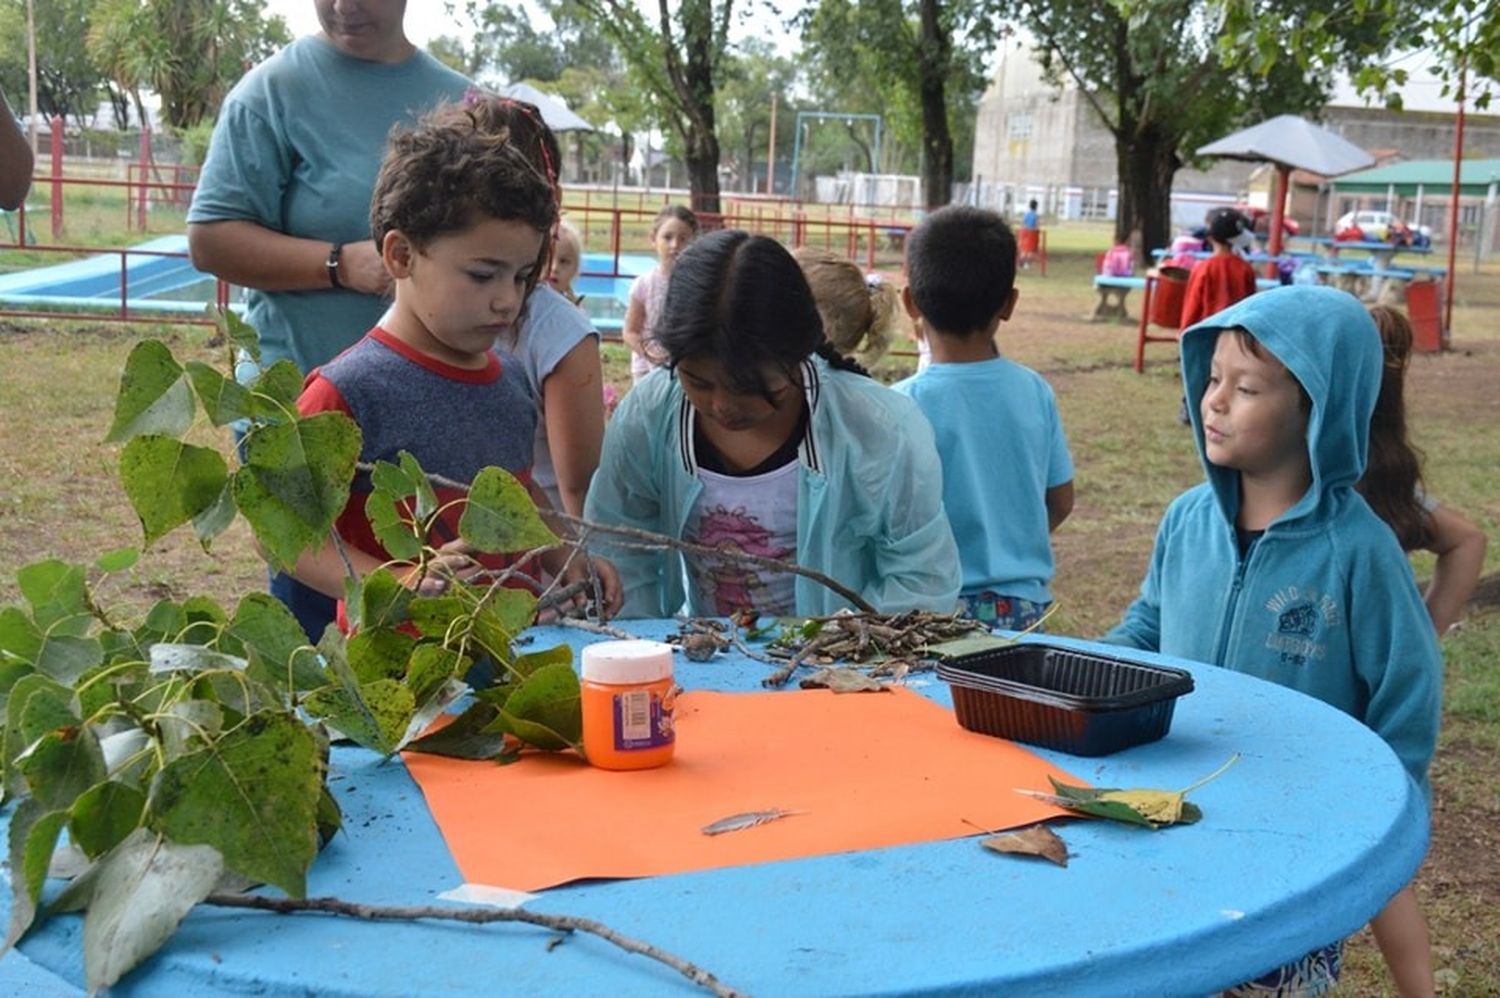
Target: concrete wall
1035,140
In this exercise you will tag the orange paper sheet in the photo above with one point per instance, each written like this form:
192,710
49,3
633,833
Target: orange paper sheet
865,771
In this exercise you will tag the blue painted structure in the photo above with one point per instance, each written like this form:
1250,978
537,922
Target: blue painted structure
1281,862
170,285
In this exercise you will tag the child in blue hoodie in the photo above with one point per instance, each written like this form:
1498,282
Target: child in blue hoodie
1275,566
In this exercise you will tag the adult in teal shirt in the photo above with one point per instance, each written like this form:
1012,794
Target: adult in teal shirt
283,205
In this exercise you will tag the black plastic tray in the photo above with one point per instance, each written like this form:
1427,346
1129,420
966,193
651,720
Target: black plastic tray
1063,699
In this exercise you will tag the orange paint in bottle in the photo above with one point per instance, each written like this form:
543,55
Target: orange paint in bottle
628,699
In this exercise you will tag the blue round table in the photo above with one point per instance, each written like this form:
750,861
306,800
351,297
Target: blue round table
1301,843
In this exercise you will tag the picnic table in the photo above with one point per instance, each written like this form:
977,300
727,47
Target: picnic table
1300,843
1112,293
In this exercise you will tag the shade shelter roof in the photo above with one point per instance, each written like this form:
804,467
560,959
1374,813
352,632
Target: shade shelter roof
555,113
1290,141
1432,176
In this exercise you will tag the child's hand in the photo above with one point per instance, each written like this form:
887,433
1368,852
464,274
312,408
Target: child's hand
454,563
610,590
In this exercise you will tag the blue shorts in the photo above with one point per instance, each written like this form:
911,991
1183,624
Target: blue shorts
1002,612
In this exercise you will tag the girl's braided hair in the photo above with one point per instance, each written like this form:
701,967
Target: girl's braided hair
742,300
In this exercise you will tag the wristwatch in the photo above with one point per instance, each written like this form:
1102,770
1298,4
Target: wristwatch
332,265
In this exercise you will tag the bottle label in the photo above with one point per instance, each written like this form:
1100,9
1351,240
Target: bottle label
643,720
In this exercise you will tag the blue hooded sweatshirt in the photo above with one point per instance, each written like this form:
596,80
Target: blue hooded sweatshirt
1325,601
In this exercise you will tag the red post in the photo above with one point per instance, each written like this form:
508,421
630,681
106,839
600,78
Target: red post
870,247
57,172
1458,163
145,156
1042,251
1278,213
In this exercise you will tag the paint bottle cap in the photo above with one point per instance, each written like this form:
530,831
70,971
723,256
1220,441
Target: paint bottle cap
622,663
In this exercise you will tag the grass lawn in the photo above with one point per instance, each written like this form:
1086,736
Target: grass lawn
61,498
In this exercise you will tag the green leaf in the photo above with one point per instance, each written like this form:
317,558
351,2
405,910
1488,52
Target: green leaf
465,737
224,399
169,482
65,659
500,515
154,396
169,657
426,712
104,815
189,724
420,486
143,888
62,764
525,665
124,682
37,704
382,600
118,560
275,393
236,331
252,795
505,613
374,715
431,666
59,596
276,644
379,653
391,527
330,817
216,519
295,482
434,615
544,710
33,837
20,638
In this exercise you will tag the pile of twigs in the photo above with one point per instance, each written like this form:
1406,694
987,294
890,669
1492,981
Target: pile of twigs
882,644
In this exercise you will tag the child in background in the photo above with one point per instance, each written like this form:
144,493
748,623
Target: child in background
1031,234
671,231
1275,566
860,312
557,346
1224,278
1392,484
760,437
1007,473
428,379
567,254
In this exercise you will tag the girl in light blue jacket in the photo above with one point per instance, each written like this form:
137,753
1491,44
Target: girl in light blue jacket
757,437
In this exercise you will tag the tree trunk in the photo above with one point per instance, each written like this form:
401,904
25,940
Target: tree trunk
703,169
696,87
1143,213
933,56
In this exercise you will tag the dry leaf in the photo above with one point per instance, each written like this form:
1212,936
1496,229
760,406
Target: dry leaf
842,680
1034,840
748,819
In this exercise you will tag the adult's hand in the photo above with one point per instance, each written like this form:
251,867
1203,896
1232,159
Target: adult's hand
253,256
362,269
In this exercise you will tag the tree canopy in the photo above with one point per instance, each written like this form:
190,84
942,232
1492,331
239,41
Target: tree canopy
1156,76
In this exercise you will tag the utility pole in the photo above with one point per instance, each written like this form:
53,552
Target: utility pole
31,70
771,152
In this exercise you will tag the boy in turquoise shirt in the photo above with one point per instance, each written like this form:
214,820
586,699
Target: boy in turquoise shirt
1007,473
1275,566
